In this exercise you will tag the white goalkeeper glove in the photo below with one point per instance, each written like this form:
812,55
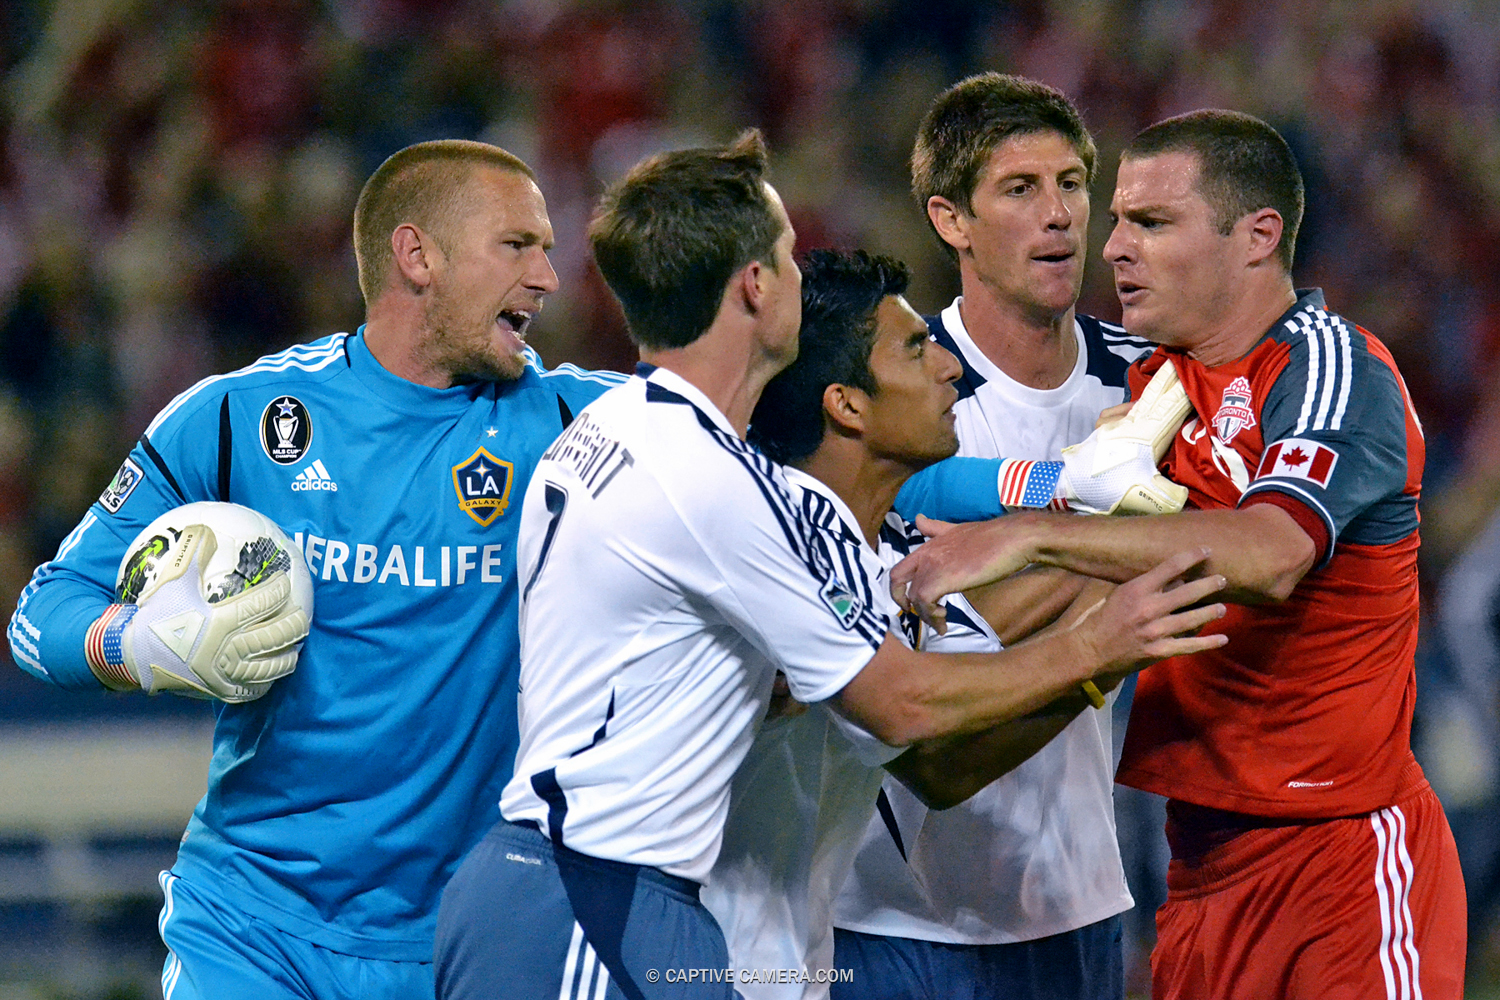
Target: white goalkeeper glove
173,639
1113,470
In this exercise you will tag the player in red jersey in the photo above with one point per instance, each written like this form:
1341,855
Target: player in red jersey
1309,856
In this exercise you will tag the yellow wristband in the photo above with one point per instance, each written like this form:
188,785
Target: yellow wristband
1095,697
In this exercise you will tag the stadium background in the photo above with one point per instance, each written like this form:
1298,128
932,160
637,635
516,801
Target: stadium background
176,184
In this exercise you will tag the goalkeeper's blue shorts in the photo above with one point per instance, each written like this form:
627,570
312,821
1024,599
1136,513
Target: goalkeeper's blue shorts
216,952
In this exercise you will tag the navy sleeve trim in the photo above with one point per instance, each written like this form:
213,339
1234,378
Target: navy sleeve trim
809,545
226,448
970,381
1110,350
956,615
161,464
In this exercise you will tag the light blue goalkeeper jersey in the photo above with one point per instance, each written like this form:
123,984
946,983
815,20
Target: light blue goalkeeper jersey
339,804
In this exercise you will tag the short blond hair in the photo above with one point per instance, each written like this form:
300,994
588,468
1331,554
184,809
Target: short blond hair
425,185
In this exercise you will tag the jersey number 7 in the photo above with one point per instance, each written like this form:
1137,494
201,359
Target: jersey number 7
557,501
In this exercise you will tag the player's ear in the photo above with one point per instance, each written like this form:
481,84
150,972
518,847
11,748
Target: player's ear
949,221
844,406
1263,230
750,285
413,250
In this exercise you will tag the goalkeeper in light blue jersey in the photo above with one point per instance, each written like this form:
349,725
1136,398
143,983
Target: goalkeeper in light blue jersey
340,802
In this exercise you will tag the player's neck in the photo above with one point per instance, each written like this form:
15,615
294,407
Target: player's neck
393,333
728,368
1242,326
866,483
1037,350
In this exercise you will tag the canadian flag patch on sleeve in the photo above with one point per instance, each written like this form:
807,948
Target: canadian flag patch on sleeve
1298,458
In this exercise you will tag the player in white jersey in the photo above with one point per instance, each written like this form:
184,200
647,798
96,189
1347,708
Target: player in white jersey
1016,892
667,575
867,403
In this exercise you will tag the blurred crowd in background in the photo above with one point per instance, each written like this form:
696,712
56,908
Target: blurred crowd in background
177,182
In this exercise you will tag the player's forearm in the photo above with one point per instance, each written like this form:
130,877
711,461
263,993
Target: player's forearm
47,633
943,773
956,489
902,696
1027,602
1260,550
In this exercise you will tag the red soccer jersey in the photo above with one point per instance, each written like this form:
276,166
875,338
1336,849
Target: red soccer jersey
1306,712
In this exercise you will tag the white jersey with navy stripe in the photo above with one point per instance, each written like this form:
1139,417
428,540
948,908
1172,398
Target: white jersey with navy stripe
807,790
667,573
1033,853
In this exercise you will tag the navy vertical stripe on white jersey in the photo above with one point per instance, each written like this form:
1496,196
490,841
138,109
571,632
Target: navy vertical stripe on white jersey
678,590
968,860
810,546
807,789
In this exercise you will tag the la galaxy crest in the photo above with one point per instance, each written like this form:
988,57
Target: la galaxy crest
483,484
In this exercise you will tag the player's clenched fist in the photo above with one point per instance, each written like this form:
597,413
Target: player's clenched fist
959,557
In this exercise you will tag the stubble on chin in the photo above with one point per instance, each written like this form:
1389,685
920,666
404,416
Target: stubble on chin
468,352
481,361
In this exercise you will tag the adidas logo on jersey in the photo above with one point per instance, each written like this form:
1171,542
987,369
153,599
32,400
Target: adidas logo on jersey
315,477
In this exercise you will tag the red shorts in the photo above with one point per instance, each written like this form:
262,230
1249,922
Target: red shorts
1359,908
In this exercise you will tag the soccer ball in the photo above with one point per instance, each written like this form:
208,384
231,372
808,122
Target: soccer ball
245,547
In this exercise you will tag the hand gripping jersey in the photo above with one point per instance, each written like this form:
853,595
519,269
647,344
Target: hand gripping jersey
1033,853
340,803
809,786
1306,713
667,574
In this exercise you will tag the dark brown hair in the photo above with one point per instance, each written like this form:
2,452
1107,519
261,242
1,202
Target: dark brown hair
1244,165
968,122
670,235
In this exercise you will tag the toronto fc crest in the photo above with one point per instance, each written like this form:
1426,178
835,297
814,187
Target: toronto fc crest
1234,413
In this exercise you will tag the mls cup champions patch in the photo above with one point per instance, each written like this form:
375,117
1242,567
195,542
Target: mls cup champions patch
285,430
1235,413
483,484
